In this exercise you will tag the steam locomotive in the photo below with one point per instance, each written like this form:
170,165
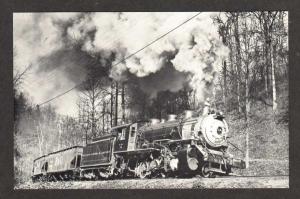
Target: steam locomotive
187,145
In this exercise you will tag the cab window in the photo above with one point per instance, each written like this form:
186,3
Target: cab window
132,131
122,134
193,127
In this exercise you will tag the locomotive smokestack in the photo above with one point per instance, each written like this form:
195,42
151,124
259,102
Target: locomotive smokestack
172,117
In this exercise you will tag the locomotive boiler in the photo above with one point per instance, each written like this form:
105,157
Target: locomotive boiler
181,145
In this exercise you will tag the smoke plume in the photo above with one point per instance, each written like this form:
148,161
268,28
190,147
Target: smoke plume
193,53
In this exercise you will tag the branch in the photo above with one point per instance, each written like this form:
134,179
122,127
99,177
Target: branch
273,19
19,77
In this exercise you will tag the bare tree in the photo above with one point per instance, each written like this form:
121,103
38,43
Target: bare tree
116,103
238,57
123,102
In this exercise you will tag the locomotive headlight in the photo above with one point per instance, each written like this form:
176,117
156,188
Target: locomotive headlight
219,130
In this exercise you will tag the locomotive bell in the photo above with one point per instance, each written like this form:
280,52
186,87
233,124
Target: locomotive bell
172,117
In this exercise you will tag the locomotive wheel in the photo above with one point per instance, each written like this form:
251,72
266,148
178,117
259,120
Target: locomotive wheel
103,175
142,170
205,172
97,176
228,171
52,178
43,178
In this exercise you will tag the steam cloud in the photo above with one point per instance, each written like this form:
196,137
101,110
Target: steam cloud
193,53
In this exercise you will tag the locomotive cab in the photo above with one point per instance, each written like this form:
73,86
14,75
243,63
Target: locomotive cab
126,136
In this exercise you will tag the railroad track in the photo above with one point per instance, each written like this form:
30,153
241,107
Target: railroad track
252,176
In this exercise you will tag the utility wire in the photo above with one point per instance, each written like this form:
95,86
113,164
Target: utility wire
57,96
189,19
19,76
157,39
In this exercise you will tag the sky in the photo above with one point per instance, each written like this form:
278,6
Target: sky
44,41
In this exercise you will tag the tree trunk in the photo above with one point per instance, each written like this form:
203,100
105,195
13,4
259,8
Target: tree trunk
239,59
194,100
247,148
59,136
86,138
107,119
93,112
40,137
123,103
265,72
231,68
247,80
103,117
111,105
39,140
225,85
267,77
116,105
273,77
247,96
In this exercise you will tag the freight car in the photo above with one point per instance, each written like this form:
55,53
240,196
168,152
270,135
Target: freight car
187,145
59,165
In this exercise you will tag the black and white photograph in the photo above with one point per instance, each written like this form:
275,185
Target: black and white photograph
151,100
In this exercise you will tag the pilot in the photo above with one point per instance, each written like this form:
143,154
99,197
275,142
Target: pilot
206,109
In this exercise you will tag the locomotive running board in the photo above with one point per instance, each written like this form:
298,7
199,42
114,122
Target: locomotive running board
137,151
96,165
